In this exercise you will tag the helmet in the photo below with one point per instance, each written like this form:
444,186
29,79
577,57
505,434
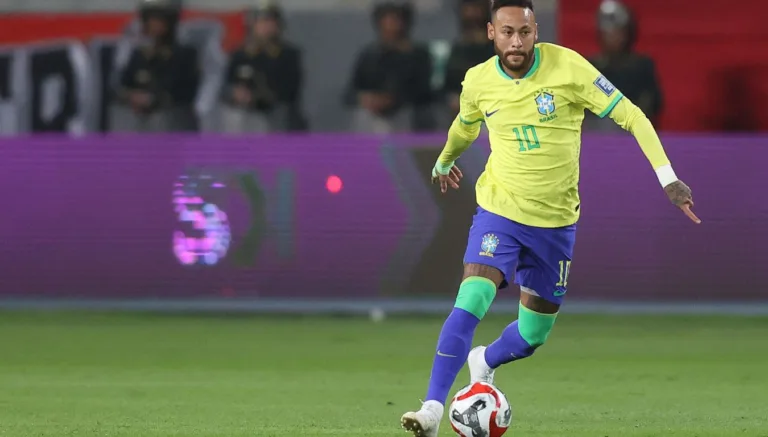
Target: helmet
170,9
265,9
613,14
402,8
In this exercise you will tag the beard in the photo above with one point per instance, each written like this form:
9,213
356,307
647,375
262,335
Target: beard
516,66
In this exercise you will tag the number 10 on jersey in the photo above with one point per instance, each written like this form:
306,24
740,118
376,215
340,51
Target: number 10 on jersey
527,138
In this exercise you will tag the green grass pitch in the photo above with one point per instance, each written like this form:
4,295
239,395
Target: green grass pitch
150,376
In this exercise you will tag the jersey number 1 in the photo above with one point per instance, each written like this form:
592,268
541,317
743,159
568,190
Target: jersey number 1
527,138
565,270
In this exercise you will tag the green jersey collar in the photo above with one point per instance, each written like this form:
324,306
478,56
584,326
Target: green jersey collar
534,67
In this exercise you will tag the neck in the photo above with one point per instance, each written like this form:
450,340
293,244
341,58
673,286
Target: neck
617,55
396,44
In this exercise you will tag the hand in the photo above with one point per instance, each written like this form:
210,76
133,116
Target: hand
242,95
366,101
452,178
680,195
375,103
140,100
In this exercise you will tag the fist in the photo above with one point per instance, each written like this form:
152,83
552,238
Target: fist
680,195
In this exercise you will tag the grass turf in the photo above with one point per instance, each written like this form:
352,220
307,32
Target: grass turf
64,374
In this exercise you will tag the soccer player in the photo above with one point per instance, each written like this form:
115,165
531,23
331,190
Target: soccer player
532,98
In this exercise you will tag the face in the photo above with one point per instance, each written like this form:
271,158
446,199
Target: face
391,27
614,40
266,28
514,33
473,16
155,26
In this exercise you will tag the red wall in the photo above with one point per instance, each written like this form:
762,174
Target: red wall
712,60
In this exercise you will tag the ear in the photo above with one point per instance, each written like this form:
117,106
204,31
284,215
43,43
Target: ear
491,31
536,33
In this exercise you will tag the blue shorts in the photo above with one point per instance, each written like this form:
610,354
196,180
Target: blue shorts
539,258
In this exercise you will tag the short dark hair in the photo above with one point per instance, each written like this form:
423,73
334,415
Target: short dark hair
498,4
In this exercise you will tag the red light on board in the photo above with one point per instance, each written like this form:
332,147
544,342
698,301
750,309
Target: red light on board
334,184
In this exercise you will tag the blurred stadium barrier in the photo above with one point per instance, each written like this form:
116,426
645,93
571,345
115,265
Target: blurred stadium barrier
335,222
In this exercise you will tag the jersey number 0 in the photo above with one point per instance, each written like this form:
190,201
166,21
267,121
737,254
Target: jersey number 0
527,138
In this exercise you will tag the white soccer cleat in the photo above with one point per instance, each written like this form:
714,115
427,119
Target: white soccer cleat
479,371
426,421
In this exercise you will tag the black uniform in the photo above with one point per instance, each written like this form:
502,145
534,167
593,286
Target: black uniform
463,57
273,73
163,68
634,74
271,69
405,75
170,74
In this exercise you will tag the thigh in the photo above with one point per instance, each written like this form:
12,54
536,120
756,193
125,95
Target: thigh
492,243
545,262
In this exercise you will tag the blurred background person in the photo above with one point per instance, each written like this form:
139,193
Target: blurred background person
264,77
160,82
391,80
472,48
633,73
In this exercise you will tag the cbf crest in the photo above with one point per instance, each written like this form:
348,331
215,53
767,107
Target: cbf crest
489,244
545,104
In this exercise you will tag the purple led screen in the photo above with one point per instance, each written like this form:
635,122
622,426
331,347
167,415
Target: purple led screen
249,217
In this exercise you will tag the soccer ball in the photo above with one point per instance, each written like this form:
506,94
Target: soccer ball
480,410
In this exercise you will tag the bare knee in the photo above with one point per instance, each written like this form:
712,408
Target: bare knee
483,271
538,304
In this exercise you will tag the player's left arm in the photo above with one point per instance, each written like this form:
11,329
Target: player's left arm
598,95
627,115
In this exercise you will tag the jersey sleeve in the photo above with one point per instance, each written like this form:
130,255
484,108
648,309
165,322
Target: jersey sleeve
464,130
593,90
469,113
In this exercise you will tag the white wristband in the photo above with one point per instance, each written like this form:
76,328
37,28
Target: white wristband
666,175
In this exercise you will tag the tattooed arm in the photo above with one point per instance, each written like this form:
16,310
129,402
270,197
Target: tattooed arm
632,119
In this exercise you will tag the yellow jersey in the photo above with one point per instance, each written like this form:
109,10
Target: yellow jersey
534,124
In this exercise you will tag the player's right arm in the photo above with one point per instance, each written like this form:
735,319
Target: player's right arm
462,133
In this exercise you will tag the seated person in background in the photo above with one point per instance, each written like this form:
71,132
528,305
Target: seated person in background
634,74
391,80
161,79
472,48
264,77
